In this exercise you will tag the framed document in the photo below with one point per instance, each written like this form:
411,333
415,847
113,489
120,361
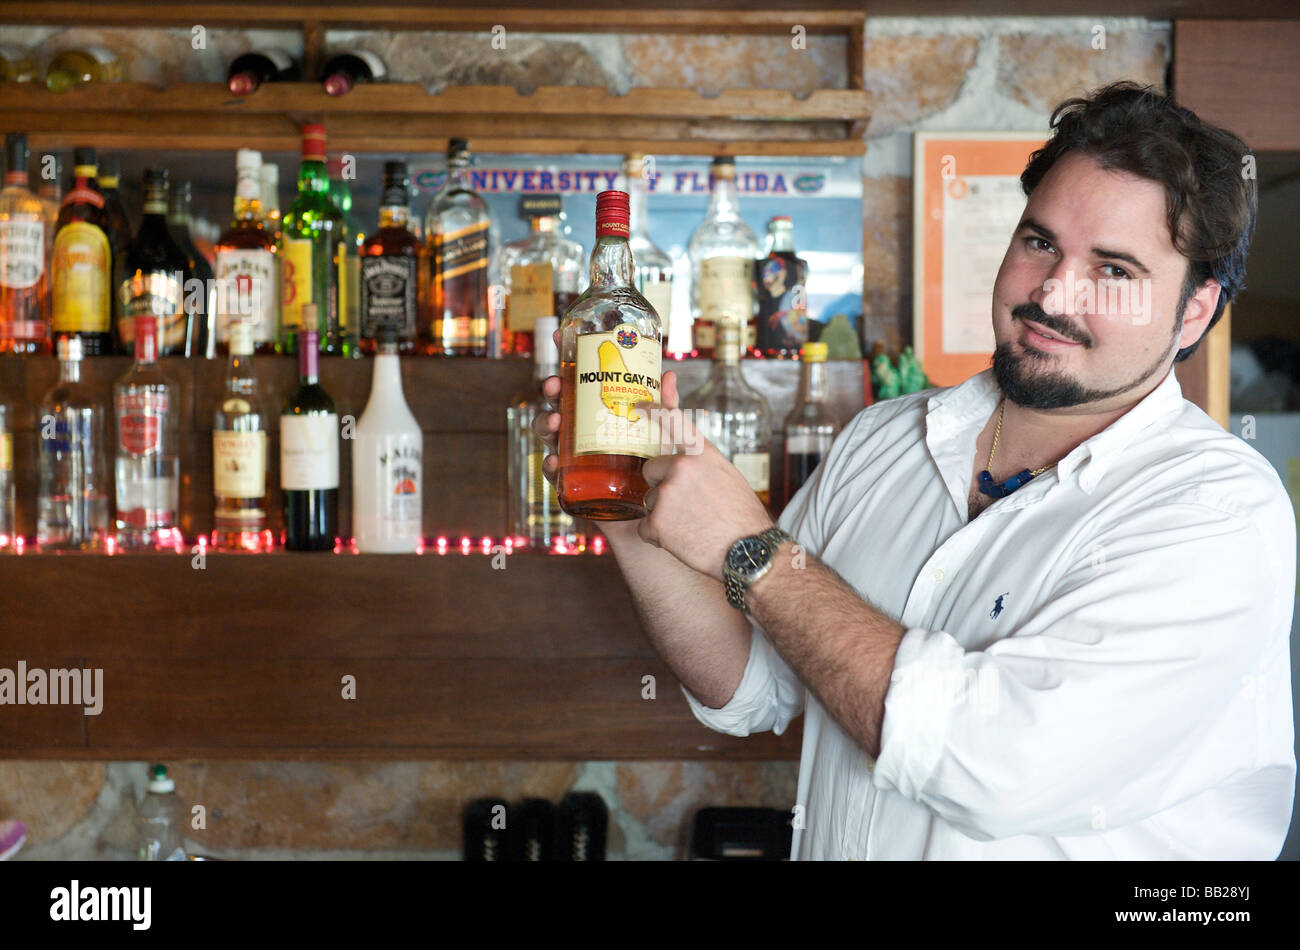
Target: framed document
966,203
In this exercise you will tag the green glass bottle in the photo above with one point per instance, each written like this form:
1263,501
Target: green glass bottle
313,252
354,237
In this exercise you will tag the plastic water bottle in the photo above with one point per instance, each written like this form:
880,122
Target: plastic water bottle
160,820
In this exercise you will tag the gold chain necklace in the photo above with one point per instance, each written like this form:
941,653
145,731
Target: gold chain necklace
986,483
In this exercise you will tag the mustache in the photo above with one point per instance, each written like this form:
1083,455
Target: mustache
1031,311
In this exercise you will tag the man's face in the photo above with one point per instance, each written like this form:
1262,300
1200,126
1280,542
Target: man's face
1085,306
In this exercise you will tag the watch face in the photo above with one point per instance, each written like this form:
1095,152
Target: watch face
748,555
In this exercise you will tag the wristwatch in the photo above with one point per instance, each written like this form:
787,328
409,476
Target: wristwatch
748,560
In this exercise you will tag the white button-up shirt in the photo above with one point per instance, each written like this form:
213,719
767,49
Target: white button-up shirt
1096,666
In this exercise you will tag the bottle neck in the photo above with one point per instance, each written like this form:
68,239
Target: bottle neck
69,371
813,383
611,263
723,201
155,204
543,225
387,381
240,380
312,176
16,179
146,346
636,199
459,174
308,365
782,240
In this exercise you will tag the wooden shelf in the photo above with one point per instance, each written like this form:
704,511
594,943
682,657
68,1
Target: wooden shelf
403,117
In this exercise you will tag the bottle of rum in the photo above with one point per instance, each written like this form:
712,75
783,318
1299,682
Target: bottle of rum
734,416
309,458
654,268
153,274
541,273
82,264
390,268
610,358
313,254
457,237
248,265
24,280
811,426
535,517
147,467
387,448
353,237
75,67
200,301
781,283
722,250
249,70
239,453
72,502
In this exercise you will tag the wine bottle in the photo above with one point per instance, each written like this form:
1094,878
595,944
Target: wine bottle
610,359
76,67
16,65
387,449
82,263
147,466
344,70
239,452
309,457
250,70
152,276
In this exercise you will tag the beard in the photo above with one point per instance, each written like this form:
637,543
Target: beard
1028,379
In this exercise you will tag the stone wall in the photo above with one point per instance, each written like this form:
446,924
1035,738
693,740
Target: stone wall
923,73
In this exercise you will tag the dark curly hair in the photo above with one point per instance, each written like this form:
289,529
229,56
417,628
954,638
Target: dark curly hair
1212,204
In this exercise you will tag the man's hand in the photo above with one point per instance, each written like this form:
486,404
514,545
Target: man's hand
699,502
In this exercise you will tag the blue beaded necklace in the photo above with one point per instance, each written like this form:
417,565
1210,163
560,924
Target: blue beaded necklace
1001,489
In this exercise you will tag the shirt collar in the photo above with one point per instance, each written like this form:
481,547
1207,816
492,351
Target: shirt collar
972,401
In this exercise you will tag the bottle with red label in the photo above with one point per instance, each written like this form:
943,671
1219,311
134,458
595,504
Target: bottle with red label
611,349
147,468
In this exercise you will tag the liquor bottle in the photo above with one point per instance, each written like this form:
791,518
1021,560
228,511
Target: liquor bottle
312,252
390,267
535,517
271,199
722,250
161,819
16,65
76,67
811,426
309,458
457,238
72,502
109,177
50,192
201,301
654,268
249,70
81,265
148,470
353,237
344,70
541,274
24,280
610,354
239,452
8,526
386,462
781,285
248,265
152,276
733,415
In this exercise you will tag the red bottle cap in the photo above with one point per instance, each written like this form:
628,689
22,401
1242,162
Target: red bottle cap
241,84
313,143
612,214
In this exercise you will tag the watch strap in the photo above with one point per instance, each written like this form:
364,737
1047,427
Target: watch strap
736,584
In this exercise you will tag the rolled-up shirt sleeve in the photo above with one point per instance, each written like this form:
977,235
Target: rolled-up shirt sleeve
1136,686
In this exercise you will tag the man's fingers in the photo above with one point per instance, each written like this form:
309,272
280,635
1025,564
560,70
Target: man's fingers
668,395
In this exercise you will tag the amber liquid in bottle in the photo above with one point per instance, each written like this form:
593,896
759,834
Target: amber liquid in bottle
622,339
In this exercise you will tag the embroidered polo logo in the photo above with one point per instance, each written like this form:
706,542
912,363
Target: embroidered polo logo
997,606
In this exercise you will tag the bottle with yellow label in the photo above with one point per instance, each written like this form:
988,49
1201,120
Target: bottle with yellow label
611,351
313,255
82,263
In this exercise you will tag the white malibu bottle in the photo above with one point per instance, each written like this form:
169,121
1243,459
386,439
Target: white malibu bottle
386,470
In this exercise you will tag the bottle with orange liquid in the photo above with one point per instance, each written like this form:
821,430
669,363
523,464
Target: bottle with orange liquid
611,349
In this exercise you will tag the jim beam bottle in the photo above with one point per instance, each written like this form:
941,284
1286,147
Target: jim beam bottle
248,270
610,353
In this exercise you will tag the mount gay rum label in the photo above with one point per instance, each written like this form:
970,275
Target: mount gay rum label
615,371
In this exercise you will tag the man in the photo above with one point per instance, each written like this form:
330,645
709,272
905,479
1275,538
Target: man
1061,629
